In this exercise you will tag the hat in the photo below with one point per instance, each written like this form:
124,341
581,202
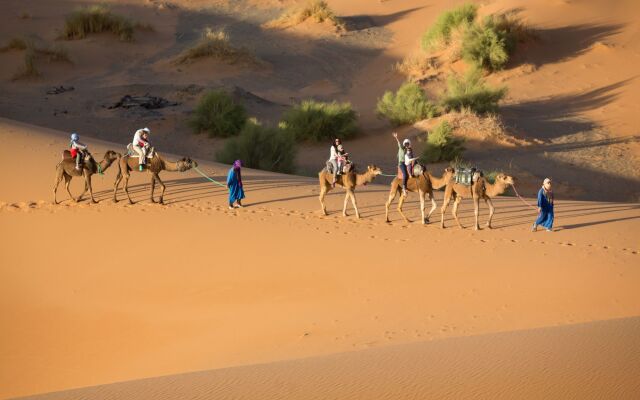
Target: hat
75,136
406,142
146,130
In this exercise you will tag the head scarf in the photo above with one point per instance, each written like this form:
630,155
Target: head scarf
547,193
237,164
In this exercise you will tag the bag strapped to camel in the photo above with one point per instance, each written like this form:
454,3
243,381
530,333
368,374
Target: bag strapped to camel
467,176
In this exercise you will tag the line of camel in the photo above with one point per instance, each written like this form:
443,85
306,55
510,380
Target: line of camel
423,184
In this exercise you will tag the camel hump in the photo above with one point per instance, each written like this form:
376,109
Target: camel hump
66,155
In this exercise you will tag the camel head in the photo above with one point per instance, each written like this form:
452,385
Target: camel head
374,170
505,179
186,163
111,155
448,173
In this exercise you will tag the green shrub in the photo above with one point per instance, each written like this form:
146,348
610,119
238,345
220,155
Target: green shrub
440,33
215,44
488,45
470,92
96,19
408,105
259,147
218,115
318,121
442,145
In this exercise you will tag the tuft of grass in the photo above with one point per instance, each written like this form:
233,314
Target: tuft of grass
440,33
408,105
442,145
260,147
216,44
15,44
218,115
55,53
96,19
470,92
318,121
416,66
318,10
29,69
490,44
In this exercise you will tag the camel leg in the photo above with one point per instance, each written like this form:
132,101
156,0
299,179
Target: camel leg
454,210
157,178
126,187
153,187
476,211
86,186
491,210
422,196
443,209
59,174
434,205
400,203
344,206
115,186
353,201
87,178
392,196
323,192
67,182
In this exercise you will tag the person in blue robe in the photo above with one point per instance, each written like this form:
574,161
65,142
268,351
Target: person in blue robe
545,207
234,184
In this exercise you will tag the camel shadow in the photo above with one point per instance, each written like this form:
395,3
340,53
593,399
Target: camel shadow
566,42
557,116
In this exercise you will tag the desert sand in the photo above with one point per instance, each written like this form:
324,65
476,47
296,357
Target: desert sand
210,288
193,300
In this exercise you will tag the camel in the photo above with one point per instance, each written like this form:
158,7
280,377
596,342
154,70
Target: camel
348,181
67,169
424,185
153,166
481,188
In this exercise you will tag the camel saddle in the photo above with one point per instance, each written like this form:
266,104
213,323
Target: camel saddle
348,167
418,170
132,154
467,176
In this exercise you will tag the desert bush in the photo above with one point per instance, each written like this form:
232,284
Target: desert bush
319,10
442,145
15,44
416,65
96,19
470,92
218,115
318,121
440,32
55,53
408,105
260,147
216,44
490,44
29,69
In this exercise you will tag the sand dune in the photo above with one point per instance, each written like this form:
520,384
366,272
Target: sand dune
93,294
598,360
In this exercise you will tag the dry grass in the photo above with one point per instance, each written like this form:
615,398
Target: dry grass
318,10
32,52
96,19
487,127
216,44
15,44
417,66
29,69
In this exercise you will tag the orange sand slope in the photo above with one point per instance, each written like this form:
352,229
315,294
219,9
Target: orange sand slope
95,294
598,360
